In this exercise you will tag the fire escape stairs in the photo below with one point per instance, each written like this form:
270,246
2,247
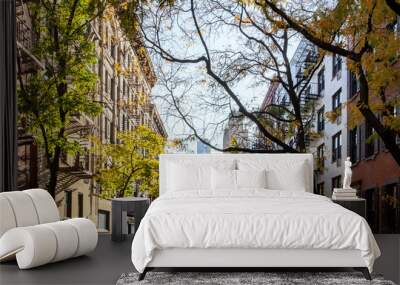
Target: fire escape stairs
78,128
25,39
67,176
310,93
302,75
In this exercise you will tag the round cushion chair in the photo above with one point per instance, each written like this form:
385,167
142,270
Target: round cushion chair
31,231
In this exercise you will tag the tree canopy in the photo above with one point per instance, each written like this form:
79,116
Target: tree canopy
366,33
51,96
133,161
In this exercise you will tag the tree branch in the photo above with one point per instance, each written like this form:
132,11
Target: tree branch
394,5
308,35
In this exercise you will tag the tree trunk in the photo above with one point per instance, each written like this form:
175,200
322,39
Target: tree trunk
53,176
395,6
388,136
300,136
300,140
120,194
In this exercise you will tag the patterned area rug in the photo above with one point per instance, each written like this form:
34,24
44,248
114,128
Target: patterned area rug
241,278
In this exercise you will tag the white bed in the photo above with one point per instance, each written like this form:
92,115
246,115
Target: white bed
217,224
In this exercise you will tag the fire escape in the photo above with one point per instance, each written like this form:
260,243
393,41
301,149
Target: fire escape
304,64
81,166
26,37
79,129
305,58
27,63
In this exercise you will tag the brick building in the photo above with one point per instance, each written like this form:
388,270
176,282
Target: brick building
376,175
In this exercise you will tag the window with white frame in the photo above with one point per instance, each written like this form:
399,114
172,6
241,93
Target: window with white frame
104,220
337,146
337,105
321,119
336,65
321,81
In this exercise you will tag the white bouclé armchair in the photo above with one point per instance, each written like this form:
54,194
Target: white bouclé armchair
31,231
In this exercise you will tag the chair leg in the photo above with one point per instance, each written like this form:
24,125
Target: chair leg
142,275
364,271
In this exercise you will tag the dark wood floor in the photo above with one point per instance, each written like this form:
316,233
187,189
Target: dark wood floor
110,260
103,266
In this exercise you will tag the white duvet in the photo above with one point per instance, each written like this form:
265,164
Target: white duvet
250,219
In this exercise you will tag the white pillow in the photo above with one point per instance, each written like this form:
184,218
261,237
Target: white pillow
281,174
184,177
251,178
223,179
292,178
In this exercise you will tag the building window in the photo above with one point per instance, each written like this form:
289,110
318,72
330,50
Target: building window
87,161
321,157
112,132
321,81
353,144
27,165
372,199
68,204
307,92
336,65
336,100
354,85
390,209
369,141
80,205
337,182
106,81
320,188
113,89
100,70
105,129
337,147
104,220
321,119
123,89
113,51
106,37
285,101
396,114
337,105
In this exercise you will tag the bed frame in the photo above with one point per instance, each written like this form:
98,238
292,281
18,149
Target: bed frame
256,259
246,259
